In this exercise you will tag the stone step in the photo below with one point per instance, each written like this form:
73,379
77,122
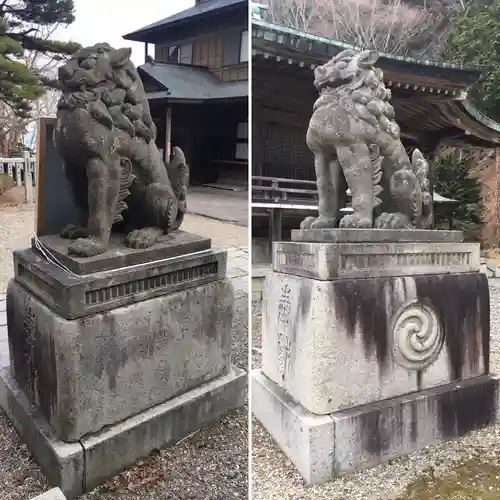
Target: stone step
53,494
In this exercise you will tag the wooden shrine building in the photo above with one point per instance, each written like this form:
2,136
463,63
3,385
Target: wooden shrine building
197,87
430,101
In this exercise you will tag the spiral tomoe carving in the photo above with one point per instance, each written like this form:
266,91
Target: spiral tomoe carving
417,336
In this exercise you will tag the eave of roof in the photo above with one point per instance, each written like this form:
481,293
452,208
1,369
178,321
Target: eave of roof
324,47
190,83
200,10
438,85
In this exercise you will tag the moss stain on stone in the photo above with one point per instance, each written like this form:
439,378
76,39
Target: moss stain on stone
471,480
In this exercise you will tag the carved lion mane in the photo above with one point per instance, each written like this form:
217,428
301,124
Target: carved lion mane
106,82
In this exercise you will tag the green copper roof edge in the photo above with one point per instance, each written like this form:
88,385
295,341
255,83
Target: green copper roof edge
342,45
479,115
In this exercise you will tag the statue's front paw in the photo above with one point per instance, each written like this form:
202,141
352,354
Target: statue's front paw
72,232
319,223
306,223
143,238
87,247
355,221
392,221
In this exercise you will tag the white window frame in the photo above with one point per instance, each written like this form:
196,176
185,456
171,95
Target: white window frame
184,53
244,47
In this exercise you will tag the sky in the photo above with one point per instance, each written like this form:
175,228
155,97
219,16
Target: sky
108,20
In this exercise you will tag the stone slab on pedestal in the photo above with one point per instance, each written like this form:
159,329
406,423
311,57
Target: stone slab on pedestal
74,297
330,261
79,467
175,244
343,343
87,373
322,446
377,236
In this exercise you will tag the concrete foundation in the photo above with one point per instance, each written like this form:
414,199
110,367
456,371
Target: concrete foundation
81,466
322,446
107,367
374,344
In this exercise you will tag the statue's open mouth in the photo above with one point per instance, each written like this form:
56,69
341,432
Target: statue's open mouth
327,85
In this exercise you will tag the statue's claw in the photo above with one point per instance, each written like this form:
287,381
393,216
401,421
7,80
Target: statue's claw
392,221
87,247
319,223
72,232
143,238
355,221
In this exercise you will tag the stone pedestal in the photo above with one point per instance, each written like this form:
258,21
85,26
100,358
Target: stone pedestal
361,330
110,365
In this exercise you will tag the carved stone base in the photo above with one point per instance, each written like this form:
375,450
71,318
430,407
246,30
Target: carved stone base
338,343
329,261
74,297
322,446
81,466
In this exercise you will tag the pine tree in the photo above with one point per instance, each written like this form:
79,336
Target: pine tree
475,39
453,180
20,24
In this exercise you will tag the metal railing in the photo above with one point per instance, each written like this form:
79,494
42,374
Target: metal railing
281,191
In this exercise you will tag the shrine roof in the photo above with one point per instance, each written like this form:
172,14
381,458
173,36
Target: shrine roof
430,97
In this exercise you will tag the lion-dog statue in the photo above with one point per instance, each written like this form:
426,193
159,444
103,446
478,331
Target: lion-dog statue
106,138
353,131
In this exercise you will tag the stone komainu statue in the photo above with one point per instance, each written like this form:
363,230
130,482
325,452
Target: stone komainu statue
353,130
106,138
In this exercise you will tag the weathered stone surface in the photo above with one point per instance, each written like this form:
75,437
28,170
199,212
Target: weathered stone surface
377,236
342,343
119,255
365,436
307,439
73,297
164,424
79,467
106,137
53,494
327,261
62,463
88,373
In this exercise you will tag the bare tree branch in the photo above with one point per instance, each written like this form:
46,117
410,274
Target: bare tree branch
389,26
13,128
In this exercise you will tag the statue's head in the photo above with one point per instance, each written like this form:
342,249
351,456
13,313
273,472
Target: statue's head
93,66
351,68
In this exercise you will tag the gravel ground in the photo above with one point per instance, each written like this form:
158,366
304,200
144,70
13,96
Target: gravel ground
16,228
210,465
466,468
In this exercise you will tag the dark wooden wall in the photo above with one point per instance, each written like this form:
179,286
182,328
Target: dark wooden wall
206,132
281,109
210,39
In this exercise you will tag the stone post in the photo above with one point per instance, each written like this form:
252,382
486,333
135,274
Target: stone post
28,178
18,168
